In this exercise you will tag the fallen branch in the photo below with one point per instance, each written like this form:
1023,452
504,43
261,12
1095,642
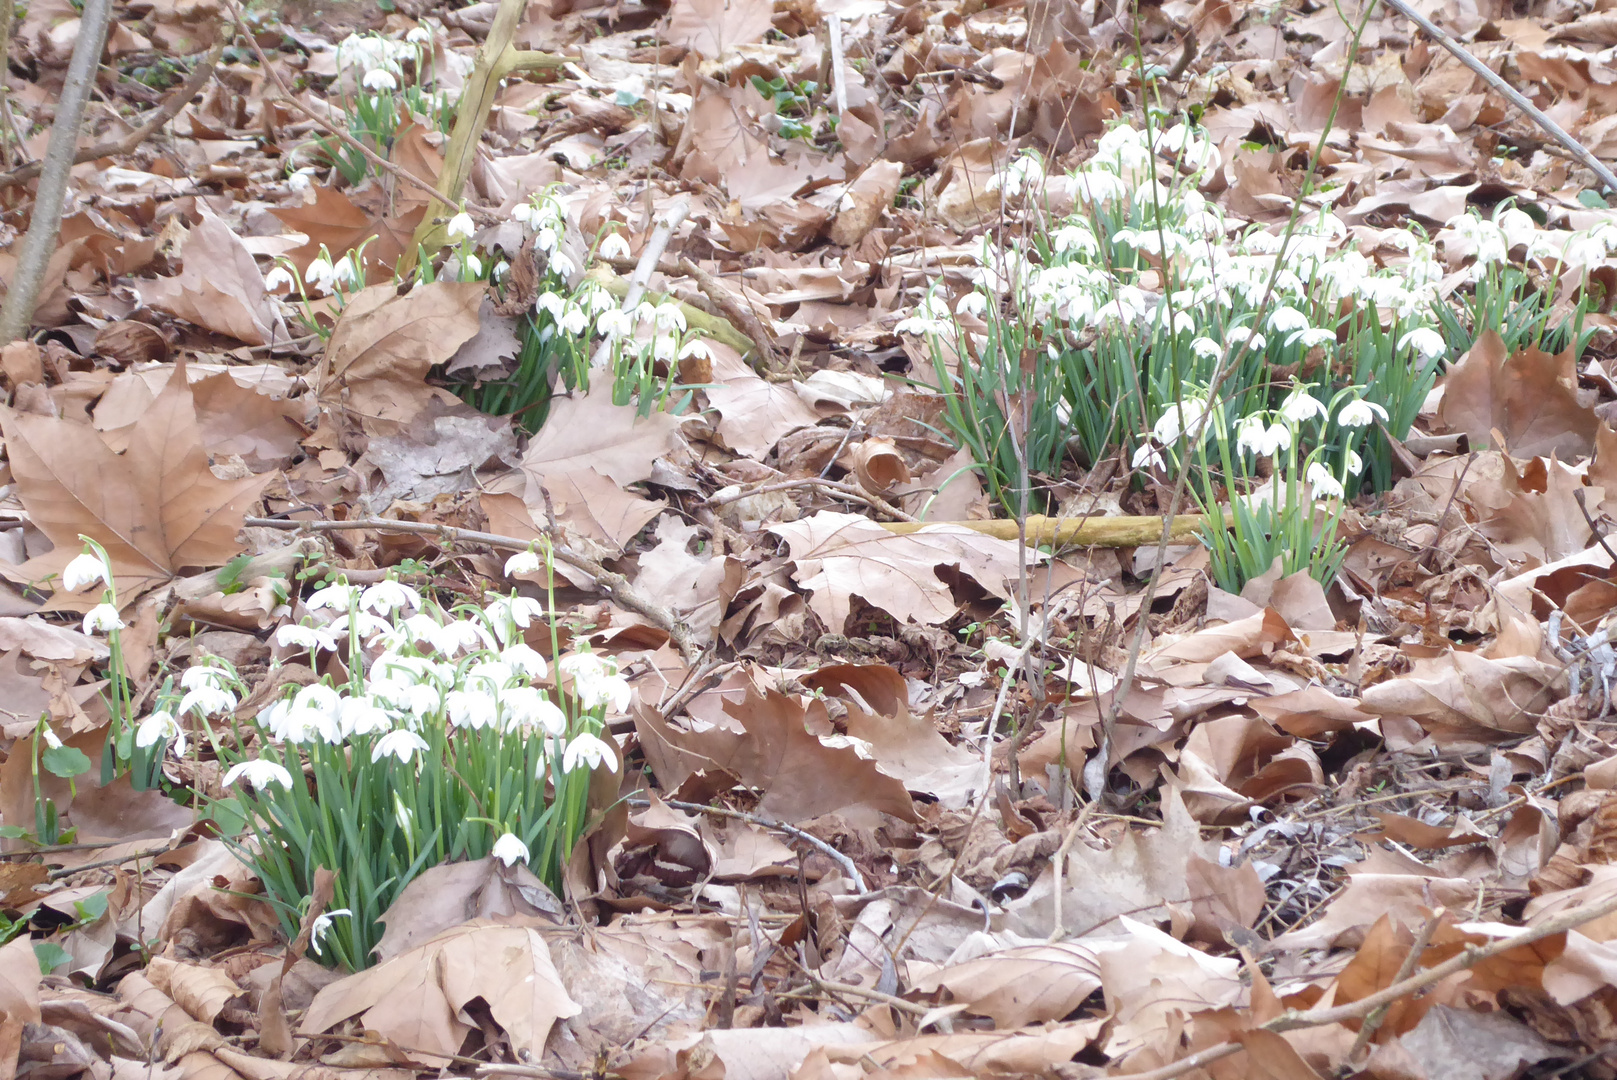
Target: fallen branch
793,831
1510,93
168,110
613,584
846,491
739,314
1078,532
1470,957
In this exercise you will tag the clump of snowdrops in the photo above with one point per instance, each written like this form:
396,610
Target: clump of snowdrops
383,85
449,738
578,331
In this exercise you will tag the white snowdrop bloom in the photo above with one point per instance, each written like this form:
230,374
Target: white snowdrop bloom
301,181
524,661
596,299
489,676
1285,320
613,246
339,597
419,36
522,213
1239,335
161,725
461,226
596,681
346,272
587,750
323,921
473,709
501,268
1518,226
1181,419
259,773
553,304
313,710
1075,239
575,320
312,638
507,611
380,79
403,745
614,324
524,708
208,701
363,623
1424,340
664,347
1249,434
85,569
389,596
547,238
1360,413
460,635
473,265
1100,186
1300,405
1275,439
362,716
277,277
1313,337
510,850
696,347
320,274
1205,348
669,317
1355,463
102,618
972,303
1148,457
1324,484
524,562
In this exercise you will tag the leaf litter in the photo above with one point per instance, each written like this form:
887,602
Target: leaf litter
854,836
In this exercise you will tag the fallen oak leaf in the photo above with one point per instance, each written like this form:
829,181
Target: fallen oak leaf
156,508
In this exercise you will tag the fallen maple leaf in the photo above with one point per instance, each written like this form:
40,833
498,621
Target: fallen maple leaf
377,360
219,287
712,26
156,508
1531,398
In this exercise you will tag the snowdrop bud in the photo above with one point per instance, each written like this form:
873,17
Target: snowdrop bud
474,266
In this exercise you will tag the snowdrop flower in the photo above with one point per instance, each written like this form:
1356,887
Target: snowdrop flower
362,716
1355,463
1324,484
473,265
524,661
614,324
389,596
346,272
1300,405
509,850
524,708
419,36
380,79
205,675
51,739
102,618
1276,439
208,701
161,725
931,316
1181,419
522,214
575,320
460,226
311,638
475,709
1077,238
613,246
302,180
1249,433
493,675
588,750
312,711
523,562
278,276
460,635
1205,348
596,681
320,274
501,268
363,623
259,773
339,597
1285,320
1238,334
696,347
322,922
1312,337
1147,457
85,569
1424,340
506,614
1360,413
403,745
669,317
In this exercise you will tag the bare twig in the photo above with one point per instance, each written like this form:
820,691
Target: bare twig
168,110
767,822
46,223
1510,93
1417,948
1357,1010
614,584
734,309
133,856
847,491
